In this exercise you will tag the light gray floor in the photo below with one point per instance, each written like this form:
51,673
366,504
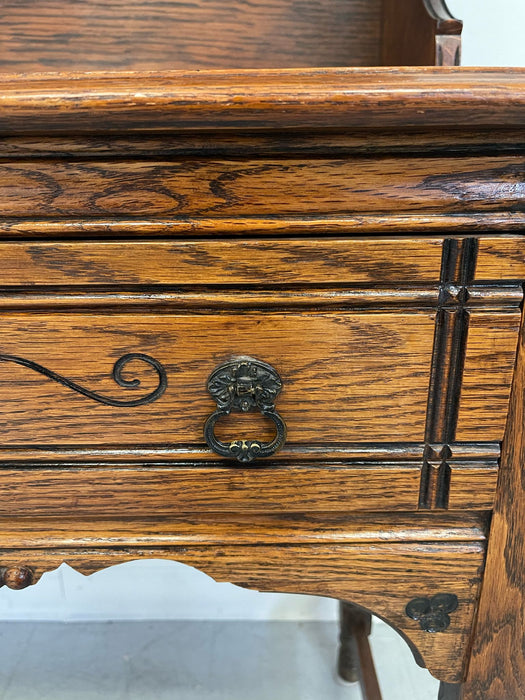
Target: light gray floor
194,660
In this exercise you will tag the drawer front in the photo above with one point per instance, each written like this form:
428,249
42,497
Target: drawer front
198,263
395,362
355,401
347,377
153,491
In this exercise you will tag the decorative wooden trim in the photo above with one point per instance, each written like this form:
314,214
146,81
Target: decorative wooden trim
314,98
450,340
337,297
16,577
251,226
214,528
484,297
222,144
433,614
144,490
478,453
334,570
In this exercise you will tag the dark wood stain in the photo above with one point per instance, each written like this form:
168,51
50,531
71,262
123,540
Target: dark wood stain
138,35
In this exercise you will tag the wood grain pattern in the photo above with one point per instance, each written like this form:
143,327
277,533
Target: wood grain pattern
355,662
279,262
264,177
488,369
234,528
433,223
356,573
121,299
482,479
480,453
250,143
501,258
333,364
167,491
348,377
414,32
26,455
144,492
302,99
497,663
261,187
133,34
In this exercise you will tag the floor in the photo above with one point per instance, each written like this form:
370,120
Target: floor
192,660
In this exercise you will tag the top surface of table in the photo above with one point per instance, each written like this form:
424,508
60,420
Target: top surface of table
343,98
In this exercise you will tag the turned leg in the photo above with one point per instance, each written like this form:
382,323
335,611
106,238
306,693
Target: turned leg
449,691
355,661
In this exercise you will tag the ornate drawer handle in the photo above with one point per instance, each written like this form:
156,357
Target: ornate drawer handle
245,384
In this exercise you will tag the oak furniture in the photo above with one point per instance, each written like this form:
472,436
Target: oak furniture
264,317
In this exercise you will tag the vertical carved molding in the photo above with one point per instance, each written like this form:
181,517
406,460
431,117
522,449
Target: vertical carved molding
458,266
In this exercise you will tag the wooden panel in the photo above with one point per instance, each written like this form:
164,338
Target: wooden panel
135,492
482,482
320,99
354,573
260,187
497,664
487,376
347,377
230,528
133,34
208,262
501,258
414,32
169,491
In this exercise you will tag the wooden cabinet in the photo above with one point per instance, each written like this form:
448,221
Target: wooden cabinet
351,239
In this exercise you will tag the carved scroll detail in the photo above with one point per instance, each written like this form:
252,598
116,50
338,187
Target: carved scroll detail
118,367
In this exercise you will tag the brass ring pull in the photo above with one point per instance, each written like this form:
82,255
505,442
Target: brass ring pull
245,384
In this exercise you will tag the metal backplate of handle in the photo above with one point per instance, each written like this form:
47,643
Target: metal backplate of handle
244,384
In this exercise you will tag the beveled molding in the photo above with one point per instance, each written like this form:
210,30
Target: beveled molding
166,481
320,99
482,297
356,574
478,453
119,228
